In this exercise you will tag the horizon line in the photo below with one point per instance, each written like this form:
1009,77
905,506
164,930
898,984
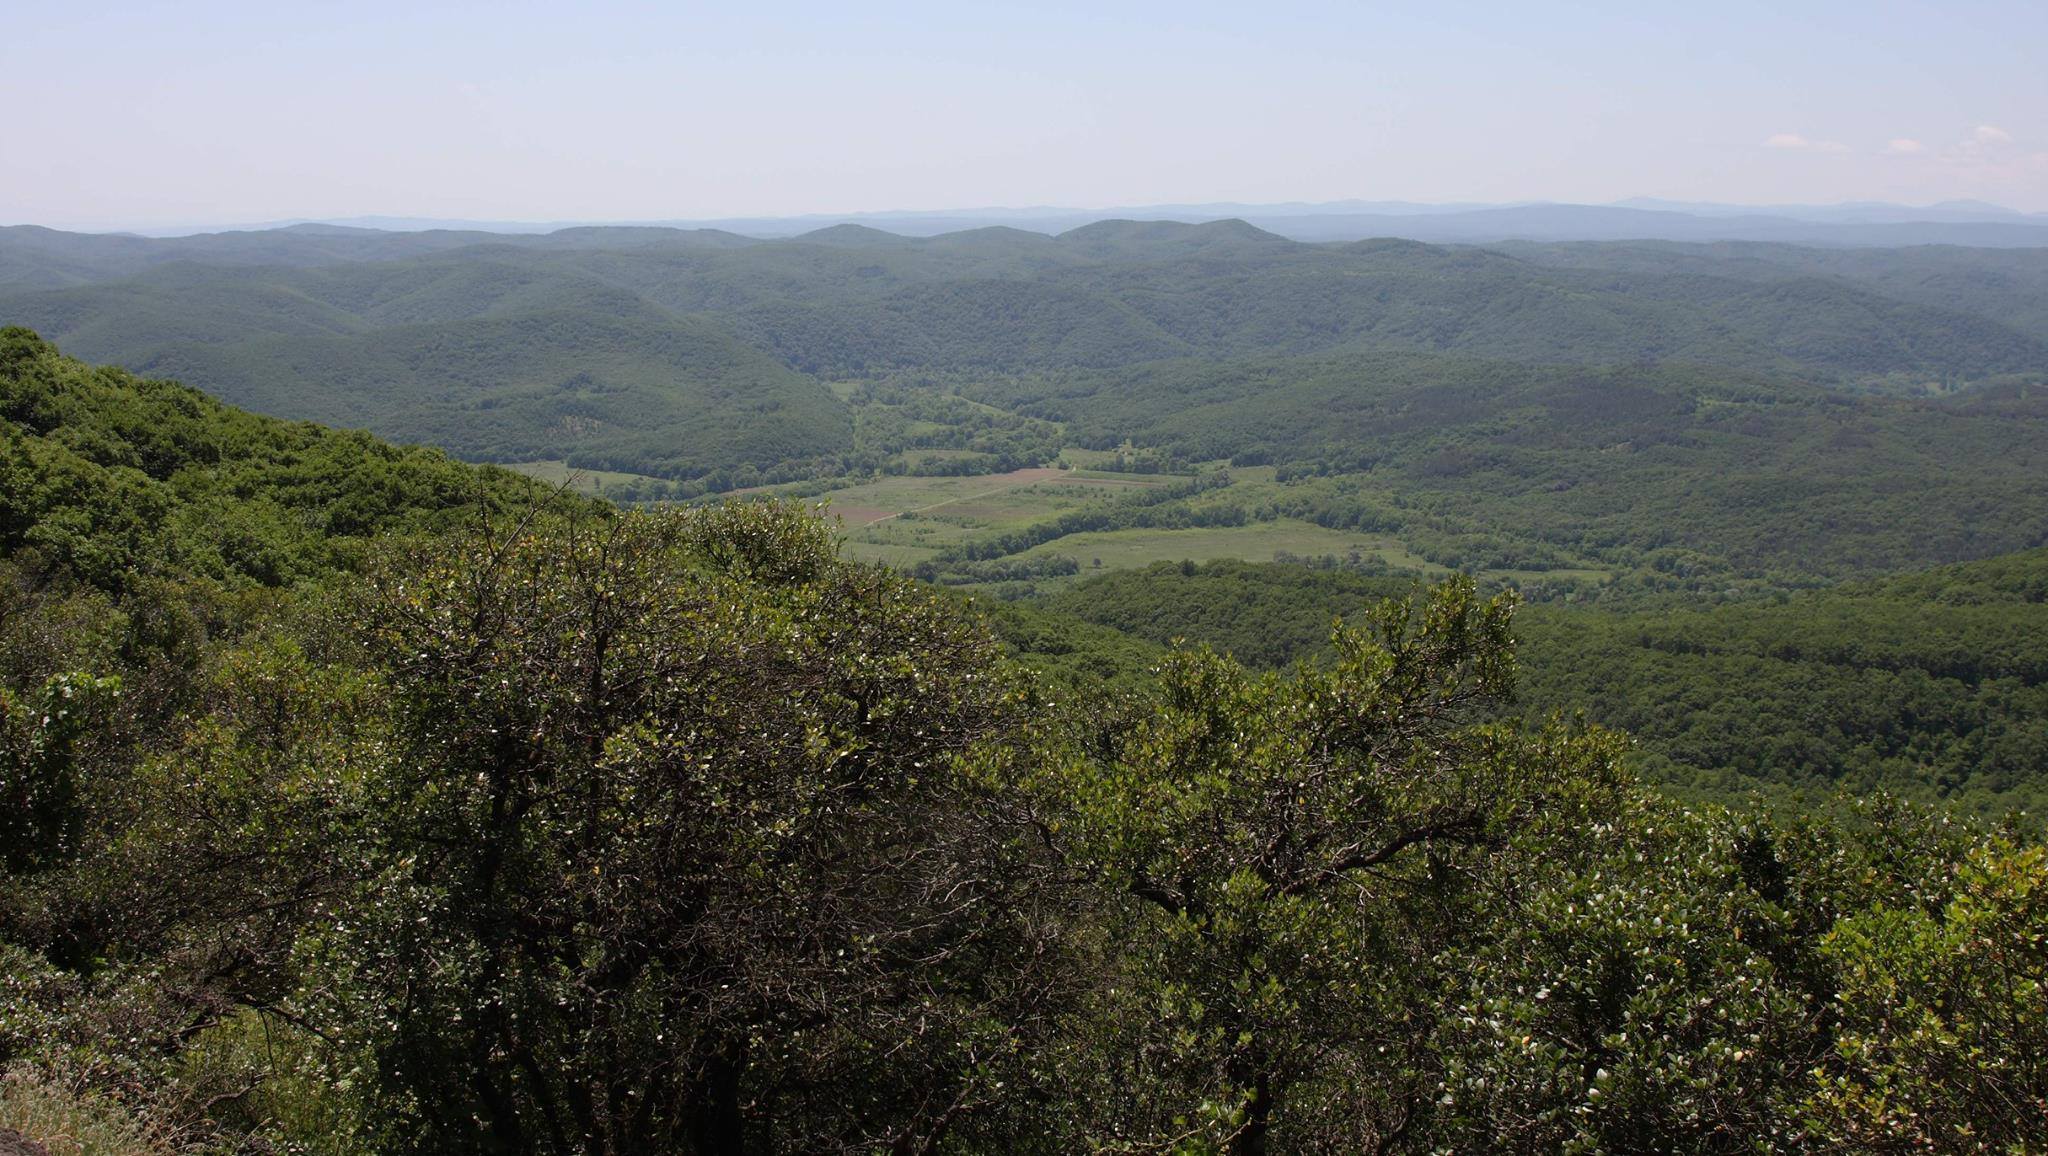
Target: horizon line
403,223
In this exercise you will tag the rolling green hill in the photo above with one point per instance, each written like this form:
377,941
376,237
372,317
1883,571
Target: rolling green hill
1708,412
852,301
113,479
2006,285
1933,684
628,389
490,359
34,257
1750,471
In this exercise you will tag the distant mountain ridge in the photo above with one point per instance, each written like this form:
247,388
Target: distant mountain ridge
708,355
1855,223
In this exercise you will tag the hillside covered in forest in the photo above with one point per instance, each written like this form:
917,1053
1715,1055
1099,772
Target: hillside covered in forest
357,800
1929,685
698,355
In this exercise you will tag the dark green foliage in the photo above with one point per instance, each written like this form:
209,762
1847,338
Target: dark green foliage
1929,685
354,800
1295,851
681,354
1264,615
1080,659
39,738
673,797
109,477
676,833
1666,985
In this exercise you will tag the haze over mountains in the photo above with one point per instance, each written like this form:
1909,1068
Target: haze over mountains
678,353
1593,398
1637,218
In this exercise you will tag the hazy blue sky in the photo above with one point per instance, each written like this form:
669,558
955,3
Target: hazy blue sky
199,111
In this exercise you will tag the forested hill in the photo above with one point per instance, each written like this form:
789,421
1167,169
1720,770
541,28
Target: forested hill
2008,285
1932,684
114,479
687,354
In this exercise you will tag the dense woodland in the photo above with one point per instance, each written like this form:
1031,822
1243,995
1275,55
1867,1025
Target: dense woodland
1932,686
705,358
360,800
1644,751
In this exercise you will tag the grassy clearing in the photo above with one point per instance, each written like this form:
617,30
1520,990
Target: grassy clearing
1086,459
1100,460
583,481
904,520
1127,479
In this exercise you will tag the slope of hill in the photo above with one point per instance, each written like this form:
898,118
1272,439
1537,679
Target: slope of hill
1166,240
1932,684
111,478
1752,471
628,389
2005,285
684,354
1226,290
490,356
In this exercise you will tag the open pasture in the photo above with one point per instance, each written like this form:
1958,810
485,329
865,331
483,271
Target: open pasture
979,501
1257,542
583,481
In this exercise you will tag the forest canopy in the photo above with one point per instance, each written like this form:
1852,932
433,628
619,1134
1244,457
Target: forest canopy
703,357
358,800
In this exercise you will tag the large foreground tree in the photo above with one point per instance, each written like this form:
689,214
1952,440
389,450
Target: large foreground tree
670,848
1300,854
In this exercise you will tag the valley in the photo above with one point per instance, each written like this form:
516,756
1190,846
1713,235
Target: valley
777,677
1619,433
